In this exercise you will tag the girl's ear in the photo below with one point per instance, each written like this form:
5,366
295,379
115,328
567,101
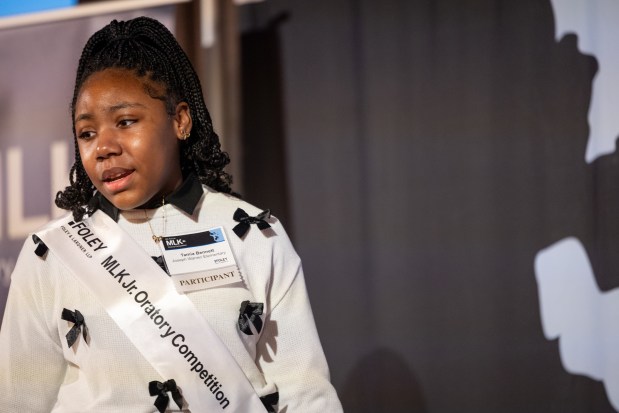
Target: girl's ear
182,121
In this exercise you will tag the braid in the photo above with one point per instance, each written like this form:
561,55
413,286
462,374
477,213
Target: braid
147,47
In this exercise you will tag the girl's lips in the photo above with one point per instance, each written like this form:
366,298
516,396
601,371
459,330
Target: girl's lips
114,173
117,179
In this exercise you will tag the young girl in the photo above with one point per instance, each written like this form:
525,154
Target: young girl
160,291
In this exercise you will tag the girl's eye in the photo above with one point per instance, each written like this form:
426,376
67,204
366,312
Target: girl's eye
86,135
126,122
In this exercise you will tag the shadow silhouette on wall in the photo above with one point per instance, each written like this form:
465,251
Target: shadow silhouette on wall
438,146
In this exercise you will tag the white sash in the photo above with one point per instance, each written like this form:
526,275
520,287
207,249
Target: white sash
163,324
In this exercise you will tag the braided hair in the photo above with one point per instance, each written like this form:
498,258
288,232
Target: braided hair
146,47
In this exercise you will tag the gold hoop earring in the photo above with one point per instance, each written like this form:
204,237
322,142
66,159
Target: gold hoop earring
184,135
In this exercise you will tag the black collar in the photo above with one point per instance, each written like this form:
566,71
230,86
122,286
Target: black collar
185,197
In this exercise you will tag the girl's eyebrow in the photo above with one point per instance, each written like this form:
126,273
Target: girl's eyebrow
83,116
111,109
124,105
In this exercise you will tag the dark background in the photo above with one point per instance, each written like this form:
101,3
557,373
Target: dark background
421,153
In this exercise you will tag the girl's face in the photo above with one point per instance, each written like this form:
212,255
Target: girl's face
128,143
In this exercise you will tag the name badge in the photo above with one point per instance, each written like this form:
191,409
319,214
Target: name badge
201,260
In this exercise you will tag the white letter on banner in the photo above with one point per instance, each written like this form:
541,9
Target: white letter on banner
59,174
18,226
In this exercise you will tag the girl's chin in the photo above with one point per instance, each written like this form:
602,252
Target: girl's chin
125,201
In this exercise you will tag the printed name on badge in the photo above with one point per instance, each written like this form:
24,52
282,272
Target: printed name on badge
201,260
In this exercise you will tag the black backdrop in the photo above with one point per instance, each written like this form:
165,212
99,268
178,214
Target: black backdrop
422,152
